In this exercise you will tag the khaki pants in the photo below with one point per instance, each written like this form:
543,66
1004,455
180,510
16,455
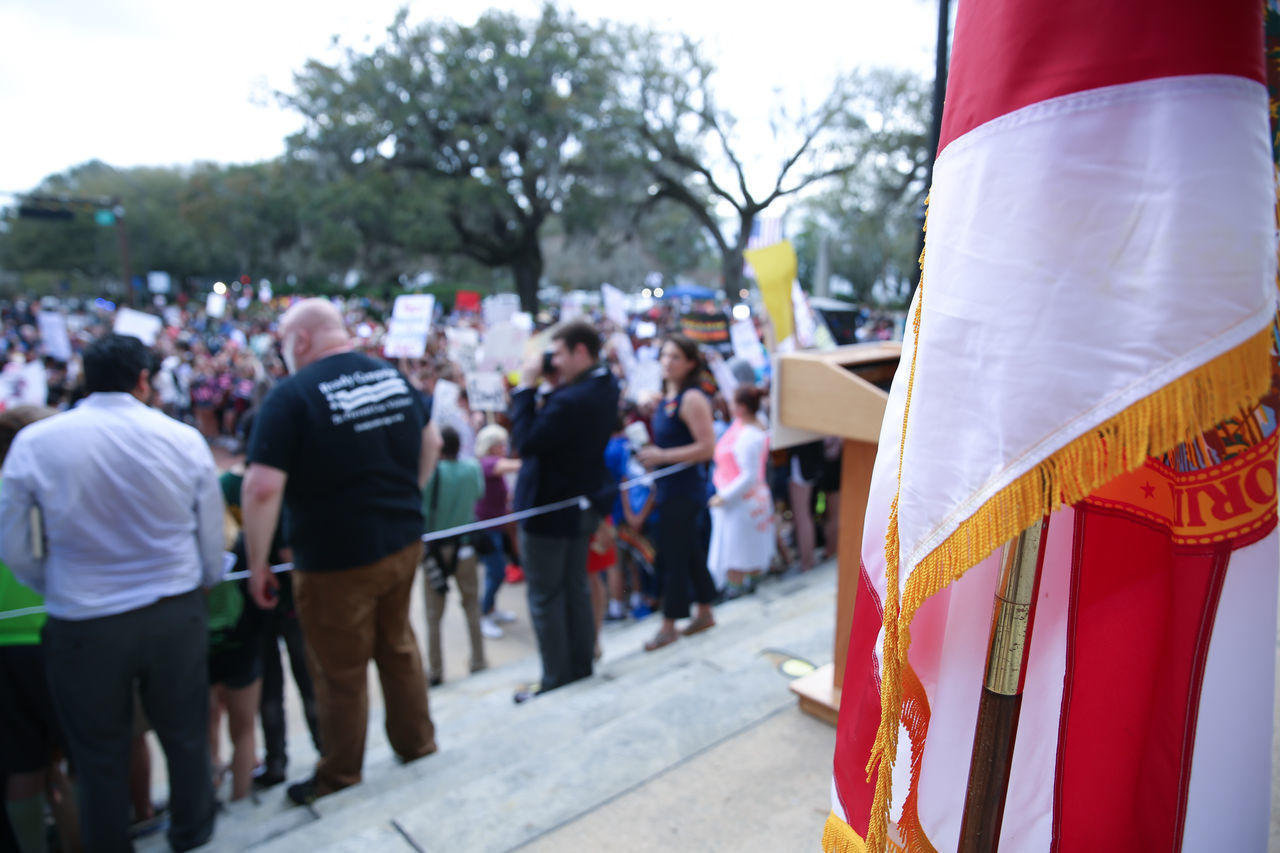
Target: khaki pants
467,579
349,617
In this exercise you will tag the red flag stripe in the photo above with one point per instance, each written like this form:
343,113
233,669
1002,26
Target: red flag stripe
1142,613
1009,54
859,709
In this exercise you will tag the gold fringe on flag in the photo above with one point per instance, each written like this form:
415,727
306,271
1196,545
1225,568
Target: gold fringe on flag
1179,412
839,837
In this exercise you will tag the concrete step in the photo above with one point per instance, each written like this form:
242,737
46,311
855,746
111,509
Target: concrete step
506,774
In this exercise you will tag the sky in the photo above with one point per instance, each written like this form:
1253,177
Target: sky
165,82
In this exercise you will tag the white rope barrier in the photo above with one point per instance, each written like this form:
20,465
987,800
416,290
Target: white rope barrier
581,501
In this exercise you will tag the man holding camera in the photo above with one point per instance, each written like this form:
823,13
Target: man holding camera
561,438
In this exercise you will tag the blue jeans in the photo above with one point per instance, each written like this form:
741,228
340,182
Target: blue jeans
495,569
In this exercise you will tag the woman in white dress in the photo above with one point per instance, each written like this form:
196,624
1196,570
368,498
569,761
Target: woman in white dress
742,536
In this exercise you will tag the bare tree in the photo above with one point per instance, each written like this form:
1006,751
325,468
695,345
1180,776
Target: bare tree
694,155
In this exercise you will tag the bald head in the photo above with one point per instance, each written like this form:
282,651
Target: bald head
311,330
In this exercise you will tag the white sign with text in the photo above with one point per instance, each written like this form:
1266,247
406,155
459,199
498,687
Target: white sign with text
414,306
406,337
486,392
444,398
136,324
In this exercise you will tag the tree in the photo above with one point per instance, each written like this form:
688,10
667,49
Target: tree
194,222
693,156
495,113
669,242
871,214
245,218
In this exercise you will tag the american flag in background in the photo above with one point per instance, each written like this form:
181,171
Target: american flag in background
765,231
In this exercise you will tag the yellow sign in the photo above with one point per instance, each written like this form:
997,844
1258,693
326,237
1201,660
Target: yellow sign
775,268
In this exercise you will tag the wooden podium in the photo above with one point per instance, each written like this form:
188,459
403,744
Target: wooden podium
840,392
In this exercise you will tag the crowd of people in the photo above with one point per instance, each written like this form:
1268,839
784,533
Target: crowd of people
136,474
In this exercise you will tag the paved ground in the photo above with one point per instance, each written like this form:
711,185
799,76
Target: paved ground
767,789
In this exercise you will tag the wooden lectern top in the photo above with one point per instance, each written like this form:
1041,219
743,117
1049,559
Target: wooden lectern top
834,392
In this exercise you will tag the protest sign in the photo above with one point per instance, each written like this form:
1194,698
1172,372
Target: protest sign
503,347
723,376
53,332
23,384
463,344
414,306
570,307
615,305
645,379
486,392
215,305
626,354
806,325
499,308
406,337
746,344
706,327
444,399
136,324
775,269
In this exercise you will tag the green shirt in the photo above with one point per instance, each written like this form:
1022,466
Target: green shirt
22,630
456,485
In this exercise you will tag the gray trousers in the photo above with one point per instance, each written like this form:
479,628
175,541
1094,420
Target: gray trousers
92,666
467,580
555,573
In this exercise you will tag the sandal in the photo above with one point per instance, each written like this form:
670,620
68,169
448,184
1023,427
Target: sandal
659,640
698,625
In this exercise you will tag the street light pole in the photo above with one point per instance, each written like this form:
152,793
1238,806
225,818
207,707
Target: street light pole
122,238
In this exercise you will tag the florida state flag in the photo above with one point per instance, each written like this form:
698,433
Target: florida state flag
1093,339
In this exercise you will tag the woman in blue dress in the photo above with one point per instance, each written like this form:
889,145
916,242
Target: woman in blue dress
682,432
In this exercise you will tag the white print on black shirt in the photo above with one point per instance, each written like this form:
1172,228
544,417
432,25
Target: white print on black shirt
361,395
380,422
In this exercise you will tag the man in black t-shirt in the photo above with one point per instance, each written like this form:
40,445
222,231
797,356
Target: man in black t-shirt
346,444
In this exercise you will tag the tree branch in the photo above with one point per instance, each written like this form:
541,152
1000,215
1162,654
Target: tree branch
679,193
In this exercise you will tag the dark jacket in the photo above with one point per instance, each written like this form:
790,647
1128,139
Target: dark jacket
561,443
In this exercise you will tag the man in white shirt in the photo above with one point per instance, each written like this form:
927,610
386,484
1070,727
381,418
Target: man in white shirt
132,530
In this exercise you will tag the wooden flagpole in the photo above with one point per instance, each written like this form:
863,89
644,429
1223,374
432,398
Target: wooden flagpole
1001,702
